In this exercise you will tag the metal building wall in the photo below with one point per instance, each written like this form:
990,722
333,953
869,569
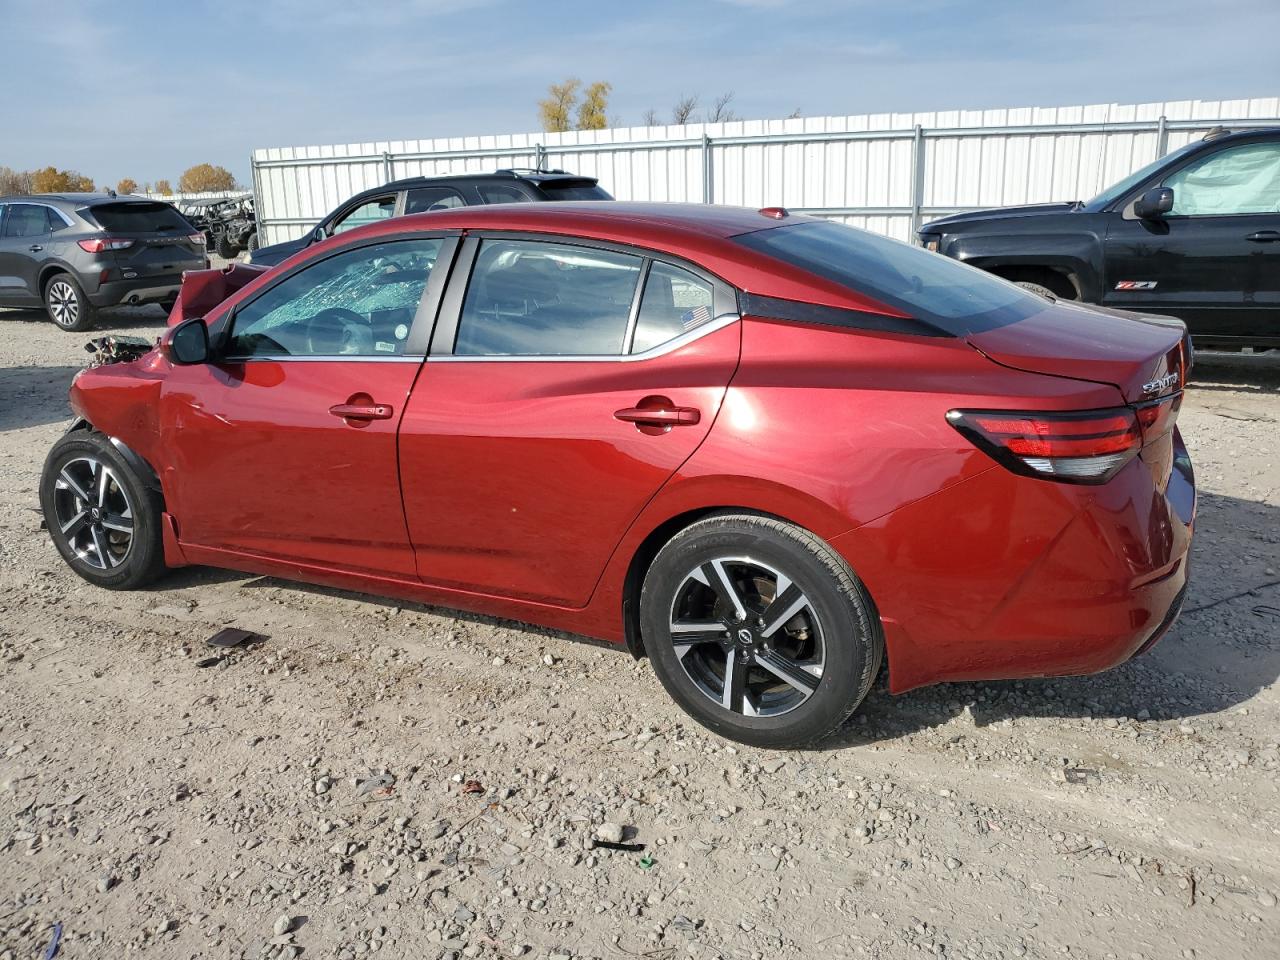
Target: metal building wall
886,172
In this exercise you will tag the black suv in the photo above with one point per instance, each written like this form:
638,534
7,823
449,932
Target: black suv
1195,235
421,194
76,252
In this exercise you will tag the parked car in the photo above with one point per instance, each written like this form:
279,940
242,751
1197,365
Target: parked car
1195,235
423,194
763,449
76,252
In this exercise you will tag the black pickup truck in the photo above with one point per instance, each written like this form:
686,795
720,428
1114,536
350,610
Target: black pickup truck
1196,235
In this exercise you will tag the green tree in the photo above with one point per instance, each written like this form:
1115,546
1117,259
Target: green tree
206,177
595,102
555,111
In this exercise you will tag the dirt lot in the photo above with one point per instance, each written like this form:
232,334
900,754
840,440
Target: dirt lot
153,807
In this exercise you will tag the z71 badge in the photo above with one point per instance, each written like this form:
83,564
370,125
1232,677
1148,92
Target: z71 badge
1136,284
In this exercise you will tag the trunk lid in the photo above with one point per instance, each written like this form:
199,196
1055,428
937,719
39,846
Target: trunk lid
161,237
1143,356
203,290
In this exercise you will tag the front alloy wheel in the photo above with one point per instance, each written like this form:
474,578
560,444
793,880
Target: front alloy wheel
103,517
759,630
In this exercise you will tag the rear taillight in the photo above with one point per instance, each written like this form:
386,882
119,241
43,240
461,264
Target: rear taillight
196,238
1089,446
99,244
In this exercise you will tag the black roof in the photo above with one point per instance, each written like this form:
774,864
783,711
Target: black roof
516,173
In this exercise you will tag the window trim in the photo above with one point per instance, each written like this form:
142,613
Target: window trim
424,317
404,203
1126,204
31,203
724,299
397,207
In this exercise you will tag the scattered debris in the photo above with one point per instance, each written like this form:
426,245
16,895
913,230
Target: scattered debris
234,637
51,950
473,786
1080,775
611,845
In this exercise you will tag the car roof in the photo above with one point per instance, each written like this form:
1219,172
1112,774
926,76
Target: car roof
515,173
78,199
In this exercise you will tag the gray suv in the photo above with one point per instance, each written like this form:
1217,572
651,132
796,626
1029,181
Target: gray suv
76,252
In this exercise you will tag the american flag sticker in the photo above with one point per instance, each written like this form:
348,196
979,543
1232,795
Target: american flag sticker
692,318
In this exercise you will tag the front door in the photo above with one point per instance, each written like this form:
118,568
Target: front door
579,380
286,447
1214,260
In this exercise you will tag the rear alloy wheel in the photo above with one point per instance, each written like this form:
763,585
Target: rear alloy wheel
67,305
103,519
759,630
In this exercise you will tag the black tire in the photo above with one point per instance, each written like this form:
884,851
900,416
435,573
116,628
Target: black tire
838,621
1038,288
67,474
252,243
226,249
67,305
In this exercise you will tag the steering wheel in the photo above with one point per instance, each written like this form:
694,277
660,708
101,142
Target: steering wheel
338,331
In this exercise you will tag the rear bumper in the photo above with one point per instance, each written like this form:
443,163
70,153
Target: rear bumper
1007,577
138,290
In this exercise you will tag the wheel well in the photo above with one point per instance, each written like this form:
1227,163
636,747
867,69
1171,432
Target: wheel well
48,273
1061,282
643,558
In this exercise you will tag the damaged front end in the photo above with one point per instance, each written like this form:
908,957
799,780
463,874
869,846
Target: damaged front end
203,290
117,349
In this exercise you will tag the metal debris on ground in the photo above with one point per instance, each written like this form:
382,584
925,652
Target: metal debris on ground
210,661
473,786
379,786
117,349
234,637
51,950
1080,775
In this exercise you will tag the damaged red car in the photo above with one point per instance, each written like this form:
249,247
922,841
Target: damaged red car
762,449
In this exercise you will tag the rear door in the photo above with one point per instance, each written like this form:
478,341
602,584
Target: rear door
1214,260
566,383
286,447
24,241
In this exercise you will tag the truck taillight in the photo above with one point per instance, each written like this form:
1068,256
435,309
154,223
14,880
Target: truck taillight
1088,446
99,244
196,238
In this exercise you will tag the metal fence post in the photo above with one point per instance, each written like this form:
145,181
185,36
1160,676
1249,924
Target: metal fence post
917,178
706,169
386,168
255,173
539,156
1162,137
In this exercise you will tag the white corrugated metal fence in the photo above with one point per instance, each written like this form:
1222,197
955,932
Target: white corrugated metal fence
886,172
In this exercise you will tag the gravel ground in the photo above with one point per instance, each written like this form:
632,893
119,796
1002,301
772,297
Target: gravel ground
154,807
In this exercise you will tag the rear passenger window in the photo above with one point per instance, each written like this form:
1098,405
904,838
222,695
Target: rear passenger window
528,298
26,220
674,302
425,199
494,193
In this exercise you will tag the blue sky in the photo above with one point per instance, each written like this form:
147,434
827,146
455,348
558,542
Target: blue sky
145,89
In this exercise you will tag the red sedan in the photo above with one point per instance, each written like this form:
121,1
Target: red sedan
763,449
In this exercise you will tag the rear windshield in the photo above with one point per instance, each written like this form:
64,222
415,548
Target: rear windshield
139,218
581,190
956,299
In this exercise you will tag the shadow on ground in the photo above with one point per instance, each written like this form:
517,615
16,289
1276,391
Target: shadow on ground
1255,373
109,319
32,396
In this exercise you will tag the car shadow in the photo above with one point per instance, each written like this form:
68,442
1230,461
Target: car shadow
1248,373
33,396
109,319
1222,651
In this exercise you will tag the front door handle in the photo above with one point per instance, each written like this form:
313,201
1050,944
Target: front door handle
362,411
1264,236
659,417
35,248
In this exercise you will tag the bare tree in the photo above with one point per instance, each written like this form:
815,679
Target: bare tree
14,181
682,112
650,118
720,111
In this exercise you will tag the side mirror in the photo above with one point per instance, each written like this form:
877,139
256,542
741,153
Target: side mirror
1154,204
187,343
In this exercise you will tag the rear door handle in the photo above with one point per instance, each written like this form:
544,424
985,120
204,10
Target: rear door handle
362,411
35,248
673,417
1264,236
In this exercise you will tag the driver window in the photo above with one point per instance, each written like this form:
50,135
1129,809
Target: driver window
368,212
1244,179
359,303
